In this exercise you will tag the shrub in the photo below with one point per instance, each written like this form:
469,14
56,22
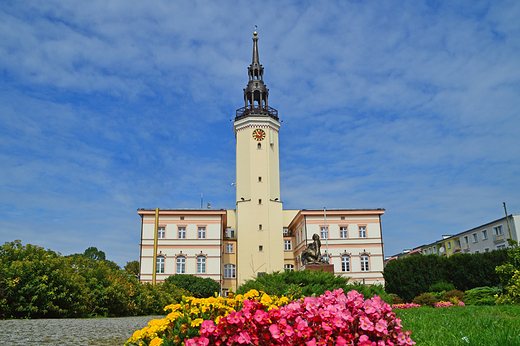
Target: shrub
426,299
35,283
510,277
481,296
199,287
296,284
395,299
411,276
454,296
441,286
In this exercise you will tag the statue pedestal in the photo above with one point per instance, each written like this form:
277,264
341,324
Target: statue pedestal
328,268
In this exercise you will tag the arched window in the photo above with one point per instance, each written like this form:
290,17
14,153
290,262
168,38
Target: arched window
345,263
159,265
364,263
201,265
181,265
230,271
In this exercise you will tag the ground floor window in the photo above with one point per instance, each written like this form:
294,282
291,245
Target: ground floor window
289,267
181,265
365,263
345,263
201,265
159,267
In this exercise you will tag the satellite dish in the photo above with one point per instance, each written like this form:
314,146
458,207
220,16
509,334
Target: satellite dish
441,249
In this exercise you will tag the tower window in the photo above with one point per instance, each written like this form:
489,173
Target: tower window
260,227
259,179
259,145
259,201
260,248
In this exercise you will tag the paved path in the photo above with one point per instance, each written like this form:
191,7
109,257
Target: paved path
78,331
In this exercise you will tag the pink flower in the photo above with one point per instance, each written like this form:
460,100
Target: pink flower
207,327
381,326
311,342
243,338
260,316
365,323
202,341
340,341
275,331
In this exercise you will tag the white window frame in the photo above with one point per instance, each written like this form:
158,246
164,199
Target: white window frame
343,232
230,248
181,232
475,237
498,230
202,232
345,263
288,267
230,271
287,244
365,262
161,232
324,232
484,234
326,257
449,245
181,265
362,231
201,264
159,265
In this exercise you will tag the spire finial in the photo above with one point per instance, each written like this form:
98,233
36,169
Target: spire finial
254,32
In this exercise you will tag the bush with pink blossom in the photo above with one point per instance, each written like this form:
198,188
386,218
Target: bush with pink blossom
406,306
330,319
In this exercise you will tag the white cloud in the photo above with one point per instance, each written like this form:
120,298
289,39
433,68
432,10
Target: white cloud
110,106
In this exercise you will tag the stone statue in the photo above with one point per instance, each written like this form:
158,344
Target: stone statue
312,253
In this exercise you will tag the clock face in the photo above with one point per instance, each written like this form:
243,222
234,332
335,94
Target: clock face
259,134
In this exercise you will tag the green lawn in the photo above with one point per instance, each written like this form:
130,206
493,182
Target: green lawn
467,325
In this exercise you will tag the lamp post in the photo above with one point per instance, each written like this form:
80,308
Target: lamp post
327,234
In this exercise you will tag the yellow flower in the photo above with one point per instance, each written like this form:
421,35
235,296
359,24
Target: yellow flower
197,322
156,342
266,300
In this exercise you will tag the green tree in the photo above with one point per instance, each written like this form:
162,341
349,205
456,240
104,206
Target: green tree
94,254
39,283
199,287
132,269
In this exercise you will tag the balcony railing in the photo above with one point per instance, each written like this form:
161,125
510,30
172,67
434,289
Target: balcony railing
257,110
499,237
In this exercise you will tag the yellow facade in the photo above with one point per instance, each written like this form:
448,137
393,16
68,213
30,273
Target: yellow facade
259,209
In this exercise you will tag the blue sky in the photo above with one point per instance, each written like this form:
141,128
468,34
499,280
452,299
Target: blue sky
110,106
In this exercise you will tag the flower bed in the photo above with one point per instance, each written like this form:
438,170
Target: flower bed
406,306
256,318
443,304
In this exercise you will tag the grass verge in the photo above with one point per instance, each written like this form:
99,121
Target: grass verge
467,325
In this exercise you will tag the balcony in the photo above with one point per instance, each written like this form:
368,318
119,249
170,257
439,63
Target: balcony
256,110
499,237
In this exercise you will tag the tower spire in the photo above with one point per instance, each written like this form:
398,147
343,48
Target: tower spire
256,93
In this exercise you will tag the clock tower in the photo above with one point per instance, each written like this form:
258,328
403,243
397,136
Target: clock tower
259,214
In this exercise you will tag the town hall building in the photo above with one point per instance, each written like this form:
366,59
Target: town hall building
258,236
